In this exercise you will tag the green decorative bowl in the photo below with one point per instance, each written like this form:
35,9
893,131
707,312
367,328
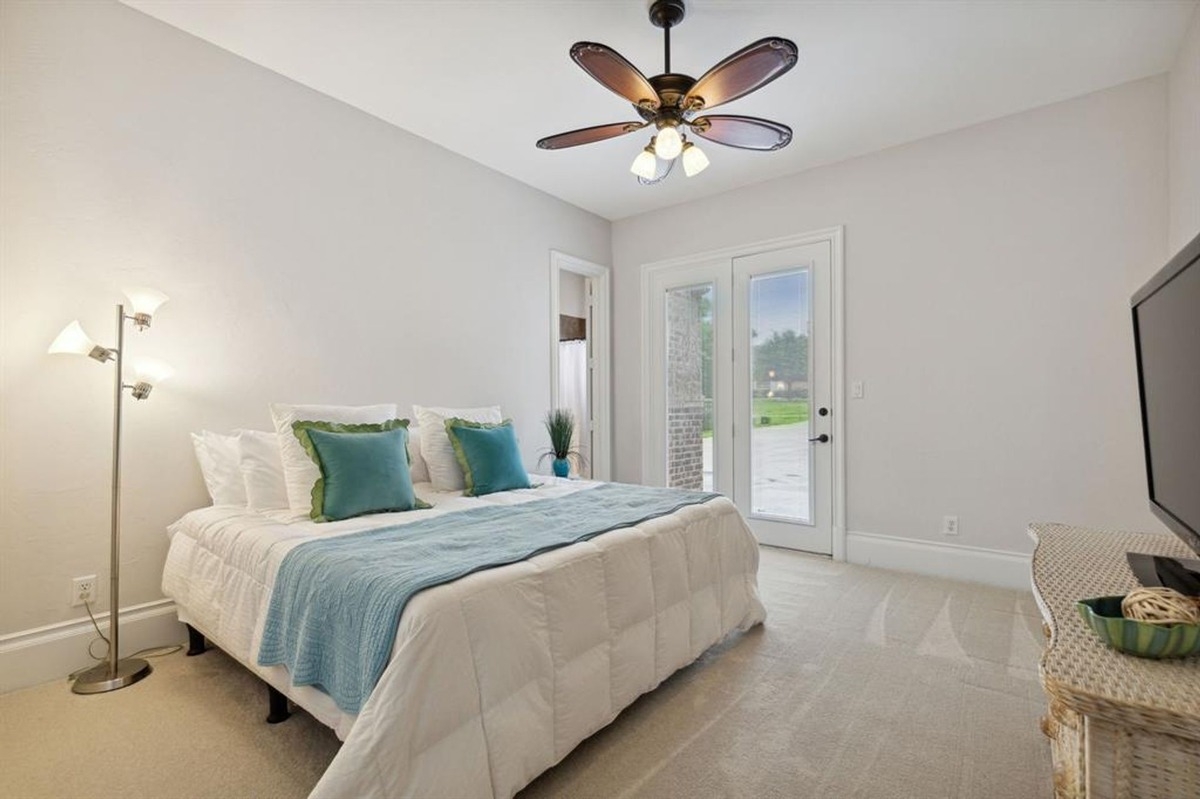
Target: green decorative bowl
1103,615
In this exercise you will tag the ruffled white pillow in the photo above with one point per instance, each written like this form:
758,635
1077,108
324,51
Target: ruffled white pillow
444,471
299,472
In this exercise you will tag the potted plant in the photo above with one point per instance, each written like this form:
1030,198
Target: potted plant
560,426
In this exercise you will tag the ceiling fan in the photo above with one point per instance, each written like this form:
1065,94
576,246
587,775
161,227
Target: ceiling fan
671,101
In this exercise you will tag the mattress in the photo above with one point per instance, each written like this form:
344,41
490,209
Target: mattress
497,676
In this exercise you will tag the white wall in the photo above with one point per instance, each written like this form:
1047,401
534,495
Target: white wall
312,254
988,276
1183,114
572,294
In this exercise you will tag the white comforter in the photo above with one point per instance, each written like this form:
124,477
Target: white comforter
497,676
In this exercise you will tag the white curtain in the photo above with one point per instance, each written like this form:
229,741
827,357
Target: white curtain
573,392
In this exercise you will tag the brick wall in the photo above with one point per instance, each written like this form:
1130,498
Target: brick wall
685,395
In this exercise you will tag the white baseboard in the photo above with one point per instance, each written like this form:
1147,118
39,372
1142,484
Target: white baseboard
52,652
938,559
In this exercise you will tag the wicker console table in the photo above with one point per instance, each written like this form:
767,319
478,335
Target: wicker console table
1120,727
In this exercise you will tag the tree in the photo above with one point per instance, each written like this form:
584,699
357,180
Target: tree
784,353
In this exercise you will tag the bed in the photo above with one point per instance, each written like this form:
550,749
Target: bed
497,676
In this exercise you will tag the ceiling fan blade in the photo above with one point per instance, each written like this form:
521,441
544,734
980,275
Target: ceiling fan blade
748,69
612,70
748,133
574,138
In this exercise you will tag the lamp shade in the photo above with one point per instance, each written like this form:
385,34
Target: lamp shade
694,160
151,370
645,165
145,301
668,143
72,341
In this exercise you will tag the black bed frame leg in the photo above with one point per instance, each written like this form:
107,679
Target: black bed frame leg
279,706
195,641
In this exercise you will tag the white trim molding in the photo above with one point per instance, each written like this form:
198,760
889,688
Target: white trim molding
601,455
939,559
42,654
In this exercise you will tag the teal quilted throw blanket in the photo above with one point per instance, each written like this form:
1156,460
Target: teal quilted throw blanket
336,604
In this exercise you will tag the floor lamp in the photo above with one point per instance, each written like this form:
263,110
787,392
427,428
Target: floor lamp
116,673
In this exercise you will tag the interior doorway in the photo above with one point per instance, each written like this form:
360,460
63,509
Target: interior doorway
579,357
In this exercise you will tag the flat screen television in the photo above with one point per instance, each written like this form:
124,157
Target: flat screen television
1166,334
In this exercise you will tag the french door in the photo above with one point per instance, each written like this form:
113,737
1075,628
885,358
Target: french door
740,387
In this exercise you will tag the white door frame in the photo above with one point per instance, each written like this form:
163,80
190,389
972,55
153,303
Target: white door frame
601,454
835,237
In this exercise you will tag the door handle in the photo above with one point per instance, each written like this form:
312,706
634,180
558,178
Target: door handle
821,439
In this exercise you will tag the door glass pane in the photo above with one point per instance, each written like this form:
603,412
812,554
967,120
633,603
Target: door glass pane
780,461
689,381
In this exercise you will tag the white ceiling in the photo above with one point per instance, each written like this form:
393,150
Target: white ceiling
488,78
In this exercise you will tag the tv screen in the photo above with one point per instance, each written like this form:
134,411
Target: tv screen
1166,330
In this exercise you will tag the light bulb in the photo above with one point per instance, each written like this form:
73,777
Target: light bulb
73,341
668,143
646,164
144,303
694,160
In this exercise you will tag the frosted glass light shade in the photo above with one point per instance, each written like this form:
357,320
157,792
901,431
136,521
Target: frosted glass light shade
145,301
72,341
645,165
668,143
694,160
152,371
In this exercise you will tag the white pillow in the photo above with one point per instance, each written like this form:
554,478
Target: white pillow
444,471
218,457
416,461
262,470
299,472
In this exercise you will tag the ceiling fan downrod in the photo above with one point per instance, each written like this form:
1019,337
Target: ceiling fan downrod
666,14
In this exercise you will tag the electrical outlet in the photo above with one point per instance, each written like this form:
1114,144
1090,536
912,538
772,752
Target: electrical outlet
856,389
949,525
83,589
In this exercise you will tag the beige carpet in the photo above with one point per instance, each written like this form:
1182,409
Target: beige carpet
864,683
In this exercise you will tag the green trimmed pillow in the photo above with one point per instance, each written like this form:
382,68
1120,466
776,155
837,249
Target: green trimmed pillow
364,468
488,455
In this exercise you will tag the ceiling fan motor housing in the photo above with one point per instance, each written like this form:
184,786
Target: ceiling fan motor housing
672,88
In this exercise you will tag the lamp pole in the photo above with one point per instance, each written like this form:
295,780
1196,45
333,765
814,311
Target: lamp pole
114,582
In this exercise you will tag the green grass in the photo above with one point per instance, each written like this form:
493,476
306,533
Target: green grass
769,411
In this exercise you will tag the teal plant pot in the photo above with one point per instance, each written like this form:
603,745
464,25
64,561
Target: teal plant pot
562,467
1103,615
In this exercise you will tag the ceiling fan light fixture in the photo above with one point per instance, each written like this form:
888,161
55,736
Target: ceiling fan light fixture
646,163
668,143
694,160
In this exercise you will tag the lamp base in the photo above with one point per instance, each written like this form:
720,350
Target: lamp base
98,680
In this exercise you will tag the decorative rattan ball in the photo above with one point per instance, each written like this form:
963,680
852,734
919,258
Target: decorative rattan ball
1161,606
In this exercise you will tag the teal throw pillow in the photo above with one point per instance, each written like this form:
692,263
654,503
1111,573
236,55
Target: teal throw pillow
364,468
488,455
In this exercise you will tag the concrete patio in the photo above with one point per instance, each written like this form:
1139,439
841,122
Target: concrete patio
779,470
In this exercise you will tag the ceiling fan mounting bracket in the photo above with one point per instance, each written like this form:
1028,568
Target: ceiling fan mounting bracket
667,13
